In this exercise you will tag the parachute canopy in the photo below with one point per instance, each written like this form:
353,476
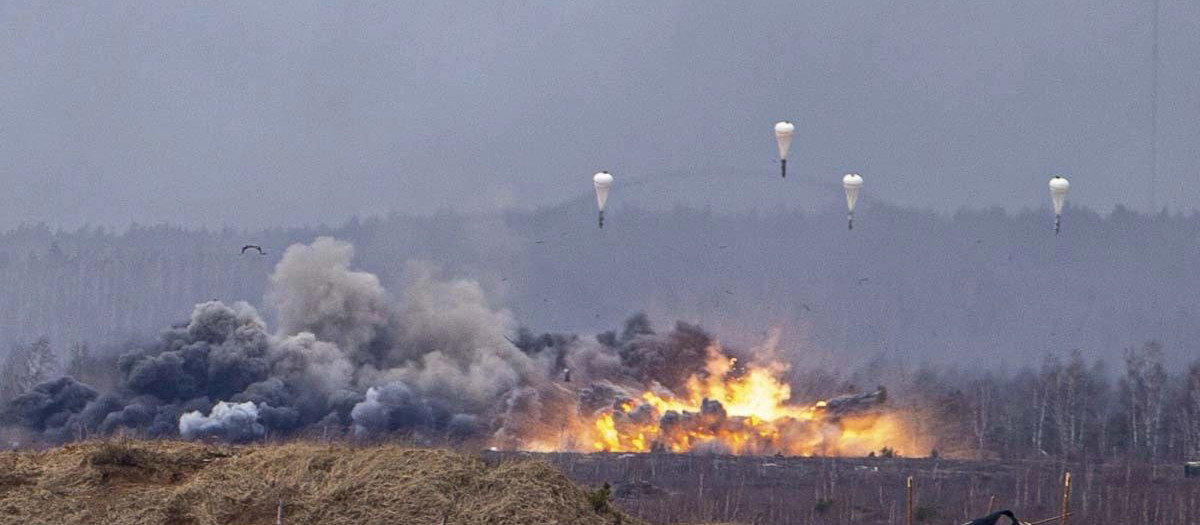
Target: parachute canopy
852,182
783,136
1058,192
603,181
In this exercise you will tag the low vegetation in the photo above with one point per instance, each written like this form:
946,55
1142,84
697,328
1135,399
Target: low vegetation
138,482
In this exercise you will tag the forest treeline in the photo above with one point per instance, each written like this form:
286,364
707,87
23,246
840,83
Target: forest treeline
1067,408
995,289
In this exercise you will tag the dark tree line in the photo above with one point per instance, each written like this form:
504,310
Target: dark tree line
1067,408
980,286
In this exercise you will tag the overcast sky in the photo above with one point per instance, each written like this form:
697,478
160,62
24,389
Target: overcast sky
277,113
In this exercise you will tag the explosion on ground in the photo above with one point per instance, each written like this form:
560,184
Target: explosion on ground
437,365
732,408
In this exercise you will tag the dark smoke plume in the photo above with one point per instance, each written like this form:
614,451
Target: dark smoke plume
434,363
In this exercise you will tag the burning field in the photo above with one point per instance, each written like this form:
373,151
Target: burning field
438,364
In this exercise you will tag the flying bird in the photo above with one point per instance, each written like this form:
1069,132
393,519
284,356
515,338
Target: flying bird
993,518
253,247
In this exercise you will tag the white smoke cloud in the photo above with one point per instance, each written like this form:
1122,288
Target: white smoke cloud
230,421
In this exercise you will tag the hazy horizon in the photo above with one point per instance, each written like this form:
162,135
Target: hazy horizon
798,199
982,288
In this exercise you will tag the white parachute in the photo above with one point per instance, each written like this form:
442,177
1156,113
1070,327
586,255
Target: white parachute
1058,194
783,137
852,182
603,182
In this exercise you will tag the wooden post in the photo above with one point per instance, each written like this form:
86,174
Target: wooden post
909,483
1066,507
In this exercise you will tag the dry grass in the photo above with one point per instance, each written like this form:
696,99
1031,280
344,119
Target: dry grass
134,482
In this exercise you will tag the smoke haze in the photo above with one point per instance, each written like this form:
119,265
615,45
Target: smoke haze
435,362
988,288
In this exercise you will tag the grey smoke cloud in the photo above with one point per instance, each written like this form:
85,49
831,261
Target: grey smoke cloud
395,406
315,291
434,361
51,407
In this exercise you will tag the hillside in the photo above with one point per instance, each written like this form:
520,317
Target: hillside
128,482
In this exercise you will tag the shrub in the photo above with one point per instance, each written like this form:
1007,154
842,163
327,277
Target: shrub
118,453
926,513
600,497
823,505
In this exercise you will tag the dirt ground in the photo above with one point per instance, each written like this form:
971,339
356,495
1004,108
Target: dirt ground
137,482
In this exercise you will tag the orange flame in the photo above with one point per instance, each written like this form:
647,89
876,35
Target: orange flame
758,417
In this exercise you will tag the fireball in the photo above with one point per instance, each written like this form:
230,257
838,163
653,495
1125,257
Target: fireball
737,408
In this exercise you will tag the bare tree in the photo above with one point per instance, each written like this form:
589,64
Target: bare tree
43,362
1068,407
77,360
1046,383
26,366
1146,381
12,373
1192,410
984,391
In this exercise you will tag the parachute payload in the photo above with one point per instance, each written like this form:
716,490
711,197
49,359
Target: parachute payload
603,182
783,137
1058,194
852,182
